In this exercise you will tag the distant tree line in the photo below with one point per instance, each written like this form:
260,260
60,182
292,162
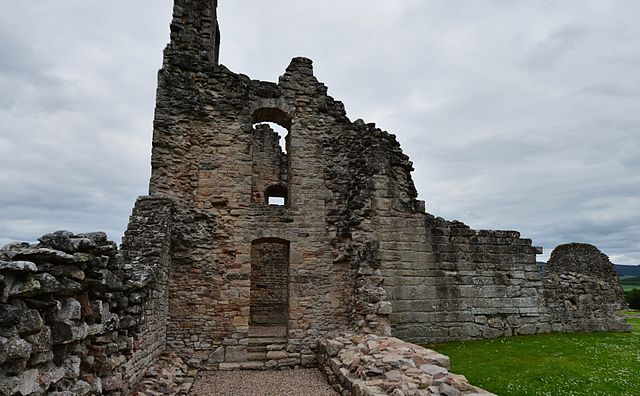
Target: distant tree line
633,298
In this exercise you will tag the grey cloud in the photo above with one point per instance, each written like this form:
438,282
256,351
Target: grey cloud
610,90
496,142
551,50
18,58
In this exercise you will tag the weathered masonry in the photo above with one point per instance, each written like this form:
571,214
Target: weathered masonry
252,253
348,246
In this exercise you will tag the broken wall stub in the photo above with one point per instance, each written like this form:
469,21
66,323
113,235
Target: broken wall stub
582,291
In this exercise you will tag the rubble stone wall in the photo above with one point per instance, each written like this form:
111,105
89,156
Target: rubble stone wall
582,291
72,317
210,158
146,249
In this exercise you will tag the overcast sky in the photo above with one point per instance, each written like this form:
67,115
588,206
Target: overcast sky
517,114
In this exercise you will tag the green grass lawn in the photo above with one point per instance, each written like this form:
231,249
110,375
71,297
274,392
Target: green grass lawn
630,287
551,364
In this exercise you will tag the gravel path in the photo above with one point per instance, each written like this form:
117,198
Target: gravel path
308,382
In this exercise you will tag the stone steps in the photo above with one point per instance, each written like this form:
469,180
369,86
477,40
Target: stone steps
259,347
256,341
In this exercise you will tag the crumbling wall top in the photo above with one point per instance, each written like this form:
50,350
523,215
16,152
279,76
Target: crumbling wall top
195,35
580,258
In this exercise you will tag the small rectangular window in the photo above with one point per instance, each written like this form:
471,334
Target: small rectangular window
279,201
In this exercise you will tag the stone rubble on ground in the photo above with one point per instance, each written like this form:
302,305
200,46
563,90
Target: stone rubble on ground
371,365
170,375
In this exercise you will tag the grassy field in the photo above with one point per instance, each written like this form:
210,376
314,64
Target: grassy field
630,282
551,364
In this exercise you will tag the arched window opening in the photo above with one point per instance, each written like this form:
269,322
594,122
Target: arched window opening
276,195
269,114
282,132
270,152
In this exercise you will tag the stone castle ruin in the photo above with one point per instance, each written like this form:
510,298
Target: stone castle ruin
212,269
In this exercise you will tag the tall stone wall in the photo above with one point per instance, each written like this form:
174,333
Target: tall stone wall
208,156
471,284
203,156
73,317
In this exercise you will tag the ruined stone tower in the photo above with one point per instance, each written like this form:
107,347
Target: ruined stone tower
247,254
349,247
241,269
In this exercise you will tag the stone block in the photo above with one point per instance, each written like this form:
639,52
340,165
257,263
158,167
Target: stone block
72,367
9,385
235,354
384,308
64,333
18,266
112,382
527,329
42,341
80,388
308,360
40,358
30,382
48,283
30,323
14,349
229,366
70,309
277,355
51,374
9,315
332,347
29,287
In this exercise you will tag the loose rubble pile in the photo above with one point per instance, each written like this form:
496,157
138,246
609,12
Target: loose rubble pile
370,365
69,316
170,375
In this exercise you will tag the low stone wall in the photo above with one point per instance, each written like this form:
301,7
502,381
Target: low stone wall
72,317
371,365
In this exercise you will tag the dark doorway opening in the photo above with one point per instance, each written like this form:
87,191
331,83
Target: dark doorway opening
269,283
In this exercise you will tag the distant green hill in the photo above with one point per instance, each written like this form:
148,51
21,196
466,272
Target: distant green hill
622,270
628,270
